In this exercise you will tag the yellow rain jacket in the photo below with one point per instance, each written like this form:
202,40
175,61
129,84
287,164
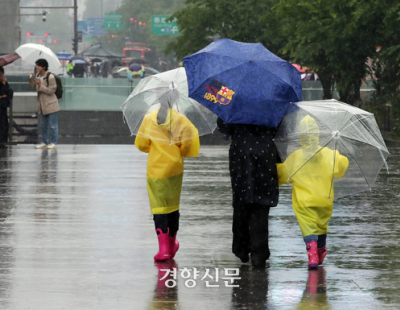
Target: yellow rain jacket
165,162
313,191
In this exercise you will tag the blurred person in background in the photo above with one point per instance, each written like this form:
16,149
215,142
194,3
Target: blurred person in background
6,95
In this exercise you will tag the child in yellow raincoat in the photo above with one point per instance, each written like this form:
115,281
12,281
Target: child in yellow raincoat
167,136
313,191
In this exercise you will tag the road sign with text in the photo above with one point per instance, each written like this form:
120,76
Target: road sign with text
160,26
91,26
113,21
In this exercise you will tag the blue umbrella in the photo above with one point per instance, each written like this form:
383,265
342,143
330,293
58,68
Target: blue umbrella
243,83
63,55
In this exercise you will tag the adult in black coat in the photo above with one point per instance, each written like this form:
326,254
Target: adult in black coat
6,94
252,165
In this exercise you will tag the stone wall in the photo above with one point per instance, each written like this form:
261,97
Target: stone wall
10,33
105,127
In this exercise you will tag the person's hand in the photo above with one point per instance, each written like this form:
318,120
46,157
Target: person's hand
38,82
4,80
31,75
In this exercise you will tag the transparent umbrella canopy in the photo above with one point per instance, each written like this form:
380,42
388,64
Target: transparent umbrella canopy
163,98
332,126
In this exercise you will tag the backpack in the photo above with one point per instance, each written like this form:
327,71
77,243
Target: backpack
59,89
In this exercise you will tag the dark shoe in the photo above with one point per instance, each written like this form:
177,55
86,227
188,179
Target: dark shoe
243,257
173,245
258,262
321,254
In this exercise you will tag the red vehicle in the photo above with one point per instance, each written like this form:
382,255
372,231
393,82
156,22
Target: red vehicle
134,51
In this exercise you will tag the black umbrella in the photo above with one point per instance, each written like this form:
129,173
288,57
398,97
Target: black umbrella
77,58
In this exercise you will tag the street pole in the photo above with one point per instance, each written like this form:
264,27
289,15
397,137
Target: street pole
75,7
76,26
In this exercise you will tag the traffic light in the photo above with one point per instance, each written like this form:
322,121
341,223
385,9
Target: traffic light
75,46
46,34
44,16
29,33
54,41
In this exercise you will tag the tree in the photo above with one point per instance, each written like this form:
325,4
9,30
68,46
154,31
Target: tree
332,38
141,10
386,67
202,21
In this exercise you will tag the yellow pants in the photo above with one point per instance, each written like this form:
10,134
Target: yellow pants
313,220
165,194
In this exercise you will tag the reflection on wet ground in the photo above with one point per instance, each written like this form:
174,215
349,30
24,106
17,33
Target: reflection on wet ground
76,233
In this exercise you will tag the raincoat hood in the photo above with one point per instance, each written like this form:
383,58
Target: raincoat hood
166,113
308,131
170,120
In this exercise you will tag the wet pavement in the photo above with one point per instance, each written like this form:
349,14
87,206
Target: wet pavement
76,233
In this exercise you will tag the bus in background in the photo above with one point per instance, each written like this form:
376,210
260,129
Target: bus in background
134,51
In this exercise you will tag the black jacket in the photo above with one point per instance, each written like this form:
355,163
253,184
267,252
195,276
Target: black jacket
5,90
252,163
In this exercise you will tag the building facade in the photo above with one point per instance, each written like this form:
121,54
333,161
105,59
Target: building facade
10,30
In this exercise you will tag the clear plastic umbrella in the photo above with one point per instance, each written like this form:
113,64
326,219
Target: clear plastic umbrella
312,131
163,98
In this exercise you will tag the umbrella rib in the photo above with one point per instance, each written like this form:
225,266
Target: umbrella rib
366,128
358,140
147,90
371,116
143,115
351,123
201,114
358,120
378,147
333,172
310,158
334,161
357,165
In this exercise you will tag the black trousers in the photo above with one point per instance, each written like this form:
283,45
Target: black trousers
3,125
250,231
165,221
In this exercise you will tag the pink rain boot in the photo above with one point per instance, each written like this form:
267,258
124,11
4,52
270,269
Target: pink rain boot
321,254
163,244
312,254
173,246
